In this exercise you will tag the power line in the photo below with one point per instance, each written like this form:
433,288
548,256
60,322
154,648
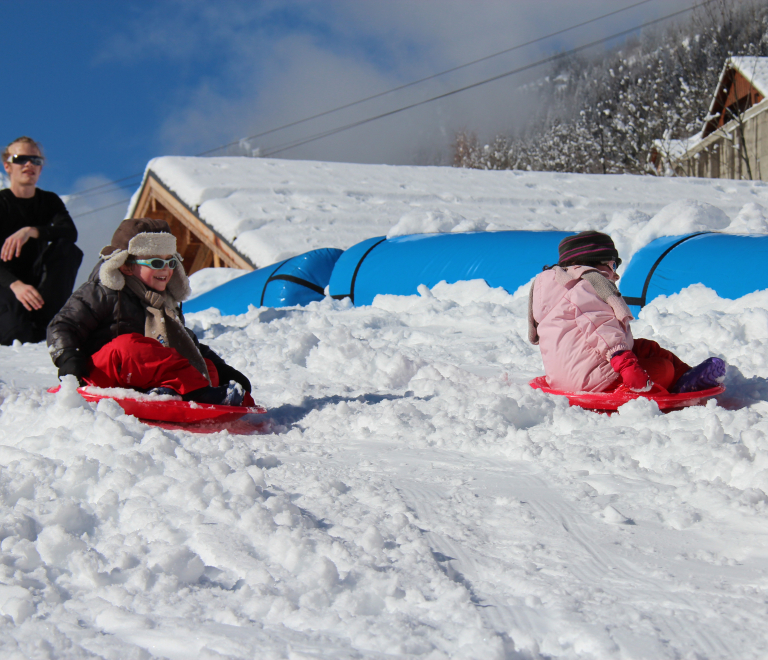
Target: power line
87,192
102,208
95,193
83,193
551,58
431,77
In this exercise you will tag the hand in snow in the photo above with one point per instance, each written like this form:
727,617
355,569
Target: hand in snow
633,376
72,363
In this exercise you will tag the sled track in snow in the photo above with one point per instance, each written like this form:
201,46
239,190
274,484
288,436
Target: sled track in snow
587,561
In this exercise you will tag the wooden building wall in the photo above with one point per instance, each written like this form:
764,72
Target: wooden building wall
724,153
736,94
721,154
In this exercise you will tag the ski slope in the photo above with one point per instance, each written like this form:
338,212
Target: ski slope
411,496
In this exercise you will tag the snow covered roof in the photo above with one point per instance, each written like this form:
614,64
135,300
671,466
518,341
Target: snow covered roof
743,84
672,149
269,210
754,69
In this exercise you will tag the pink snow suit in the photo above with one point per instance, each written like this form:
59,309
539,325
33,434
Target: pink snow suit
578,332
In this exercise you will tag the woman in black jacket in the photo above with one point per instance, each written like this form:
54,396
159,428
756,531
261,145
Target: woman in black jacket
124,327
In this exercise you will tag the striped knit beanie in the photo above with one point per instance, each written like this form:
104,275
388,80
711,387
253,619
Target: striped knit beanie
587,248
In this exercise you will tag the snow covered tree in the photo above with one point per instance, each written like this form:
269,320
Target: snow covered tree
604,114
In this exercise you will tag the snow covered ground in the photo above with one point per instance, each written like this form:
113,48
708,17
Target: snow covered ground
408,495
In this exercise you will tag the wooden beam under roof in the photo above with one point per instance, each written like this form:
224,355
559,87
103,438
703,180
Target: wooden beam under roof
200,246
736,94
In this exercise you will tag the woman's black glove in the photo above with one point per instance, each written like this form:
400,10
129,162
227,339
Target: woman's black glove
72,363
227,373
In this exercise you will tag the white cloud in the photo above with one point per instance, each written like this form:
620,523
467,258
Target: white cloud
277,62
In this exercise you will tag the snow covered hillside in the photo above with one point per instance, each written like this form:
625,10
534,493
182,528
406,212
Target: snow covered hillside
409,495
275,209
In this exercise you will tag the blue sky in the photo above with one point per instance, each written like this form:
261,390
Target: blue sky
106,86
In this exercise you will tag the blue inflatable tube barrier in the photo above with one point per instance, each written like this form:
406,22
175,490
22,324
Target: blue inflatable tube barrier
398,265
669,264
295,281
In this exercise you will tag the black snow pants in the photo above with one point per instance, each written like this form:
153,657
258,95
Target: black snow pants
55,273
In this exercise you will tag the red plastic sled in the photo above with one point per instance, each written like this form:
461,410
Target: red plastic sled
170,411
610,401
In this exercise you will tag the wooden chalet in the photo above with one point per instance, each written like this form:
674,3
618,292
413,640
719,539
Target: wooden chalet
733,143
199,245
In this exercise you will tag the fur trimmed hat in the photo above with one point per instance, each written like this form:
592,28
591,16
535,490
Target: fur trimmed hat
142,238
586,248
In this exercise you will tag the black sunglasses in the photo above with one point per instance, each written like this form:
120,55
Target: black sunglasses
157,263
18,159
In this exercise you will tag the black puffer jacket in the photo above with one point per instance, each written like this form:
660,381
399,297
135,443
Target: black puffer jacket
94,315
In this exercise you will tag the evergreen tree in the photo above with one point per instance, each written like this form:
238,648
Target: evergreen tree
604,115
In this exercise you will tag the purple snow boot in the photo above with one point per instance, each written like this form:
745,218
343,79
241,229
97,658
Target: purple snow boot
709,373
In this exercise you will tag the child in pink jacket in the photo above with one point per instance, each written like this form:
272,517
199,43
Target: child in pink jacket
581,323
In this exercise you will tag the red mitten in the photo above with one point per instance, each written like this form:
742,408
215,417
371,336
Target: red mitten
632,374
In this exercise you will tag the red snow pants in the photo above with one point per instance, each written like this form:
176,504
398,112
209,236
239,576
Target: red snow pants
139,362
662,366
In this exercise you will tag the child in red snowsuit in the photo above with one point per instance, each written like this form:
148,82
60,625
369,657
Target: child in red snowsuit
124,327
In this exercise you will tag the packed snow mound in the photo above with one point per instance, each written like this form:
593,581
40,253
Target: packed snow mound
751,219
436,222
207,279
681,217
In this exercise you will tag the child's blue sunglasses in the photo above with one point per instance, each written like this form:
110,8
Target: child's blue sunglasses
157,263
